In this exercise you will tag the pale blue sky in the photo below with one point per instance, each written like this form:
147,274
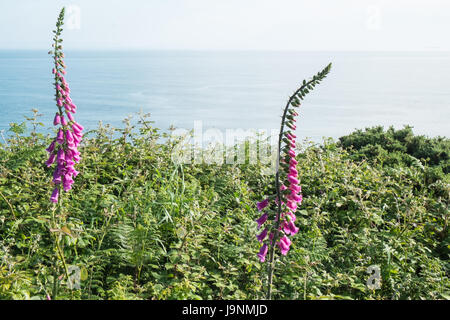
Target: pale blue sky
230,24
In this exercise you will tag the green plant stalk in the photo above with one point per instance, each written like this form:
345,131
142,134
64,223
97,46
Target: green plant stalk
9,205
59,251
55,278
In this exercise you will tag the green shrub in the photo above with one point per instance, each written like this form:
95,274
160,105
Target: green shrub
141,227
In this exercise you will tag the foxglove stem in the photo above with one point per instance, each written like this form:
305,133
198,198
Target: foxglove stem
288,226
59,148
68,138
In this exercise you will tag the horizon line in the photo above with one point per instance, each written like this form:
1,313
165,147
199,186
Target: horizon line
232,50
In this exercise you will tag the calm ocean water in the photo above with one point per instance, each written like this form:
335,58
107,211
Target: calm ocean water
235,89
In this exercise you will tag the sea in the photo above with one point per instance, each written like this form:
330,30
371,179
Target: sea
234,89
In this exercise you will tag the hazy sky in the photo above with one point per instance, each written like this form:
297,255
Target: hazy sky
229,24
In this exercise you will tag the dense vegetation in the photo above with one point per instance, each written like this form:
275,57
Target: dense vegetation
141,227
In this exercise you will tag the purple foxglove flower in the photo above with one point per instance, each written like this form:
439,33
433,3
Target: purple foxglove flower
72,171
69,136
73,150
286,240
62,93
292,179
77,133
262,235
292,205
291,136
60,136
69,154
261,205
291,153
284,245
55,194
290,228
295,188
262,219
59,170
63,121
67,183
57,179
69,162
51,147
78,126
262,253
297,197
69,115
57,119
290,197
76,140
77,158
284,227
50,160
61,156
72,146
